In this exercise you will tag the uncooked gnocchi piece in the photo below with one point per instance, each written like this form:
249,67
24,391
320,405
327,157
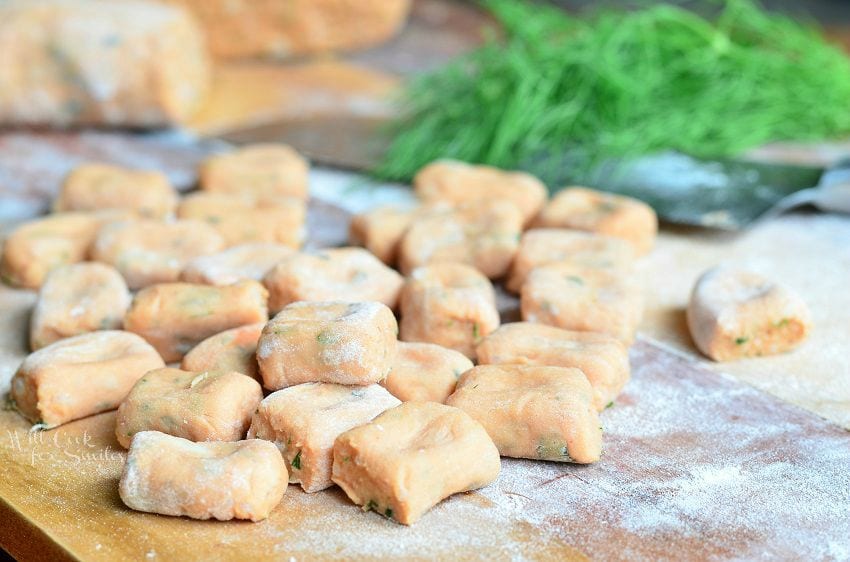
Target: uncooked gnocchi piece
581,208
533,412
239,263
425,372
586,299
735,313
175,317
456,182
409,458
339,342
242,219
448,304
76,299
304,420
92,187
219,480
81,376
259,169
148,251
349,274
207,406
380,231
231,350
602,358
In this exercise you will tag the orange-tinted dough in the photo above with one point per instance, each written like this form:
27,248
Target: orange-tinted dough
380,231
174,476
239,263
456,182
586,299
149,251
349,274
339,342
260,170
76,299
304,420
425,372
241,219
409,458
604,213
735,313
231,350
602,358
533,412
175,317
207,406
93,187
81,376
448,304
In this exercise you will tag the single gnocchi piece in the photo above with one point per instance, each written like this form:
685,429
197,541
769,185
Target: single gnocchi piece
581,208
80,376
408,459
175,317
36,247
305,420
239,263
586,299
231,350
148,251
425,372
542,246
735,313
243,219
259,170
339,342
76,299
602,358
219,480
456,182
349,274
92,187
483,234
380,231
448,304
207,406
533,412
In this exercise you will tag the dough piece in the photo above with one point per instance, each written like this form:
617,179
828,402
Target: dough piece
456,182
81,376
175,317
36,247
260,170
208,406
304,420
542,246
380,231
602,358
239,263
425,372
603,213
409,458
585,299
448,304
76,62
533,412
174,476
350,274
240,219
231,350
148,251
483,234
735,313
296,27
92,187
76,299
339,342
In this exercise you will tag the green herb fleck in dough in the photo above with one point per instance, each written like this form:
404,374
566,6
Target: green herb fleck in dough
296,462
326,338
609,404
389,513
575,279
370,506
741,340
782,323
475,331
553,448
